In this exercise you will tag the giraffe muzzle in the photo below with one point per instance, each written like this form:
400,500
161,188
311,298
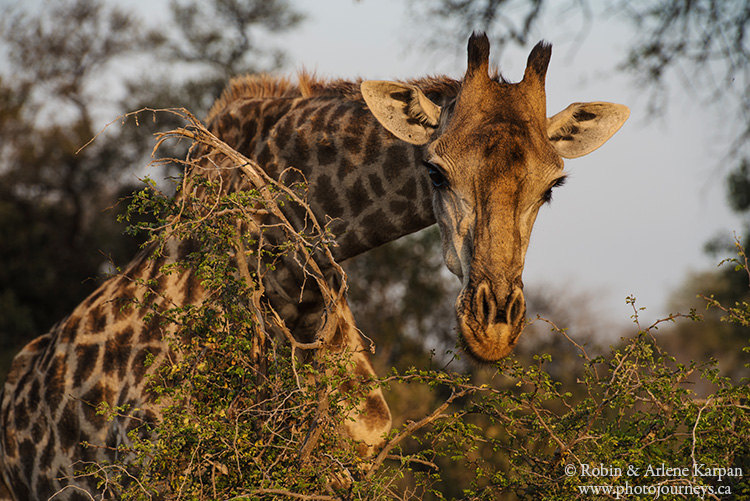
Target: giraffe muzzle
489,328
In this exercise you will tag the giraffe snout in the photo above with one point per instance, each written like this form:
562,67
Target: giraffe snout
489,327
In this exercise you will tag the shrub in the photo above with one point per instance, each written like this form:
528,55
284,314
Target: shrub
247,416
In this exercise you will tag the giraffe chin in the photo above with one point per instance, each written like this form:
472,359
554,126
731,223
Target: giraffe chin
491,343
485,333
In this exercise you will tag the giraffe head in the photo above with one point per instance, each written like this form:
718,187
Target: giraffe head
493,157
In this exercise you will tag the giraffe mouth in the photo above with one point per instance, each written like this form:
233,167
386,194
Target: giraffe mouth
488,330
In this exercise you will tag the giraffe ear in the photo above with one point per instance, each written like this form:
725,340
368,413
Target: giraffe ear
582,127
402,109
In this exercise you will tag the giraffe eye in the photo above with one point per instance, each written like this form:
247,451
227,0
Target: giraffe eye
547,197
436,175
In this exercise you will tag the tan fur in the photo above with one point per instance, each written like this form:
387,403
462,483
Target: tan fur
490,166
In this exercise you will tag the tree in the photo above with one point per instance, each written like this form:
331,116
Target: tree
244,419
51,195
62,82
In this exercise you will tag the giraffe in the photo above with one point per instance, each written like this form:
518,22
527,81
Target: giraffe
478,156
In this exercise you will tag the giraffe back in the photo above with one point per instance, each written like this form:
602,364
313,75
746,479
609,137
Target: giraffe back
98,353
56,383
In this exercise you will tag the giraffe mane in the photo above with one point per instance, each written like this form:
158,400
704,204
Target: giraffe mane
264,86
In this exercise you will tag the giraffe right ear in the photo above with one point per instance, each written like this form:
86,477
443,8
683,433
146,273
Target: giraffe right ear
402,109
582,127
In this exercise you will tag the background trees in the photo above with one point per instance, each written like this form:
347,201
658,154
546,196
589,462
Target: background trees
68,67
62,77
73,64
54,236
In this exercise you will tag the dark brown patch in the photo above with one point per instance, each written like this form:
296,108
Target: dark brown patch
378,225
265,156
352,144
376,185
583,116
400,207
326,151
86,358
301,154
38,344
97,320
155,320
346,387
27,450
54,381
376,412
247,128
372,146
345,168
21,419
337,340
20,489
122,399
154,267
9,443
34,394
191,288
48,453
90,400
138,365
69,329
336,116
408,191
45,488
148,335
283,132
117,353
39,428
328,197
304,116
396,161
227,128
320,118
357,197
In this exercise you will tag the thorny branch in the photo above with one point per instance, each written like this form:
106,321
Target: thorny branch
264,184
525,418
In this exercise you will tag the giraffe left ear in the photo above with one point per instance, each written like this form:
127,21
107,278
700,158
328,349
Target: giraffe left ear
402,109
582,127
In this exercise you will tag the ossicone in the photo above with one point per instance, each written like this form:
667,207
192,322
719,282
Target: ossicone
479,54
536,66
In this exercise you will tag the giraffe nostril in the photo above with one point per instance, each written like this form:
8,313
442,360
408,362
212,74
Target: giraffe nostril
515,307
485,305
488,312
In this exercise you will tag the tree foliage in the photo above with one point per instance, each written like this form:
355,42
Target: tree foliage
248,417
67,67
245,417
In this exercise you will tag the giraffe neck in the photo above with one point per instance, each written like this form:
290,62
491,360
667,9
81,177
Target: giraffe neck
369,186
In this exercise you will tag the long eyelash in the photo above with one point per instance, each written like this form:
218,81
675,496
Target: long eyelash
547,197
560,181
